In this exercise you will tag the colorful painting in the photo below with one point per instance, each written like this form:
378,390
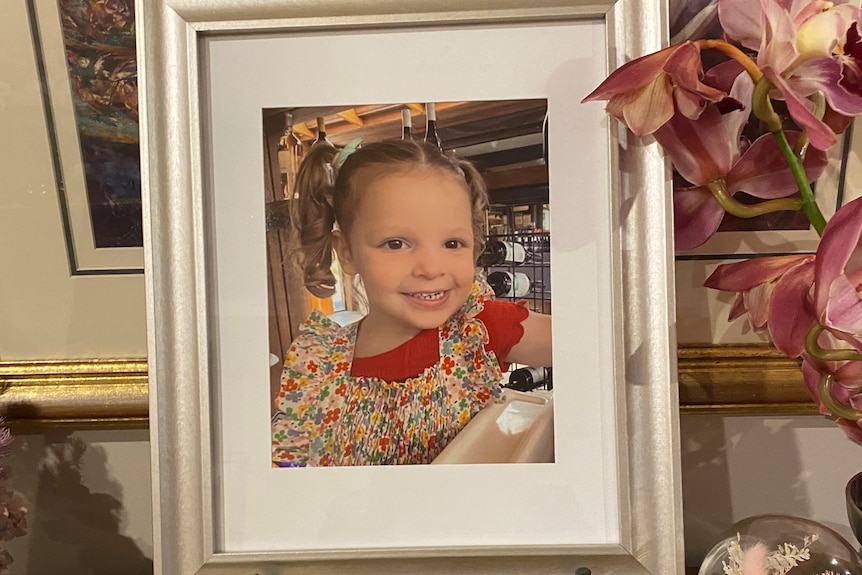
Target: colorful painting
99,41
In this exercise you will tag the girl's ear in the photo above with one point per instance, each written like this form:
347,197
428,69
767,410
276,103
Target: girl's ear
342,248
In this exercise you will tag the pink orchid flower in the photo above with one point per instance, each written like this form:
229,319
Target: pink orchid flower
847,388
709,148
642,93
804,47
774,291
838,275
786,295
777,291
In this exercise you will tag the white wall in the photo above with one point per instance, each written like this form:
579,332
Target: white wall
736,467
88,494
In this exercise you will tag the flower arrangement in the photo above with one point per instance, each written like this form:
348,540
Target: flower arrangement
795,68
781,545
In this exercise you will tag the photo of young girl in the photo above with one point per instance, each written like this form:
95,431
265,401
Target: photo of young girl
429,353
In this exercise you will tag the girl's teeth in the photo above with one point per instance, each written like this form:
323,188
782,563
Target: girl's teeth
429,296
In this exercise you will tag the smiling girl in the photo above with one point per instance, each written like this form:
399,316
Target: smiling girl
399,384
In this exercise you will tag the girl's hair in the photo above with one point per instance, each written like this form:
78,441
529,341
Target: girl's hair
328,196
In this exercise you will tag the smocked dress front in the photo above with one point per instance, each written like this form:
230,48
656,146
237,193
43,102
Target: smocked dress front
325,416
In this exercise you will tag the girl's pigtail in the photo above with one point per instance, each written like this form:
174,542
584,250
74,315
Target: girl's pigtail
479,201
313,217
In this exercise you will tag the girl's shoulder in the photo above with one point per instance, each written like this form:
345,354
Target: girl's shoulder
319,330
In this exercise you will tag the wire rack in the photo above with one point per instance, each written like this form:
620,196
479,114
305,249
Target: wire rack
524,226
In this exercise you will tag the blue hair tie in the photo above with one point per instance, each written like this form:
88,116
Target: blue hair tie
345,152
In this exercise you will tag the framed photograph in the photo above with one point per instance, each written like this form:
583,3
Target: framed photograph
503,140
611,499
86,62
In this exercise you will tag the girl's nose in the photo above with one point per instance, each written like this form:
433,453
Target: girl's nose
429,263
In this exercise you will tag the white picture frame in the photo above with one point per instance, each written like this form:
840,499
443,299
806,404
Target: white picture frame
214,495
70,182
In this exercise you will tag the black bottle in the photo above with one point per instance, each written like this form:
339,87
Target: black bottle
498,251
406,125
530,378
506,284
431,135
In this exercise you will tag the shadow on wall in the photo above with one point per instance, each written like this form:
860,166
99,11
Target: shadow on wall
733,468
71,528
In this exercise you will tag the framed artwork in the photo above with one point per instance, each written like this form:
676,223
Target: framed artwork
611,499
85,58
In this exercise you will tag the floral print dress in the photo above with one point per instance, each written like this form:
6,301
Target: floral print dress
325,416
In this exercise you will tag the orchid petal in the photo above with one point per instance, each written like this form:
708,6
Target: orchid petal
741,90
688,103
850,375
840,239
757,301
790,311
762,170
744,275
698,148
818,34
649,108
632,75
824,75
800,12
685,68
741,20
778,41
843,311
819,134
853,429
851,70
696,216
737,309
836,122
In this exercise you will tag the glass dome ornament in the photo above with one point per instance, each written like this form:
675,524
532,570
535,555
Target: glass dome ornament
854,505
781,545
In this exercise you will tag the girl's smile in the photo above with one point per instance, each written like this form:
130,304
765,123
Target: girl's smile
429,300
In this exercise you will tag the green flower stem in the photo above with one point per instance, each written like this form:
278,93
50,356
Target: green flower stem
809,206
827,396
731,206
761,105
813,347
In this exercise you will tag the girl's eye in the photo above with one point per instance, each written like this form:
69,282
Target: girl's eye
454,244
394,244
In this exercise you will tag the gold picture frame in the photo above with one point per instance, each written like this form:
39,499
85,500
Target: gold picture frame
753,379
81,393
